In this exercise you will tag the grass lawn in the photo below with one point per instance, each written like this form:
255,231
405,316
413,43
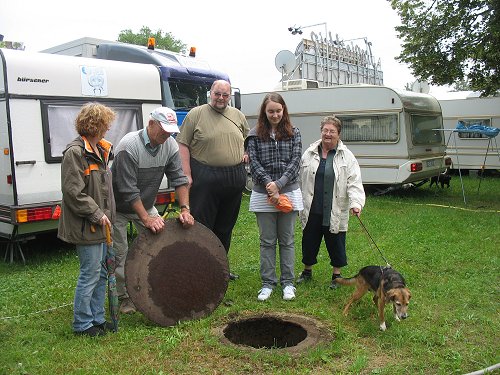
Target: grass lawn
448,252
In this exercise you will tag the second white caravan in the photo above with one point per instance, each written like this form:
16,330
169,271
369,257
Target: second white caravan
471,150
395,135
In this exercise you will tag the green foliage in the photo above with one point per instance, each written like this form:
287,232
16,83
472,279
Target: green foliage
12,45
461,85
448,41
163,41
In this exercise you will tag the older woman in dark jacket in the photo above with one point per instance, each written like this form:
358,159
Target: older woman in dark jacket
88,206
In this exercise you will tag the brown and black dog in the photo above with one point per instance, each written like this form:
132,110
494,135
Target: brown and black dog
387,286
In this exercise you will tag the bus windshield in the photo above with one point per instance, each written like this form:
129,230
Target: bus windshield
186,94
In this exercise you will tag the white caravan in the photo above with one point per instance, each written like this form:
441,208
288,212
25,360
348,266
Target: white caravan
471,150
395,135
40,95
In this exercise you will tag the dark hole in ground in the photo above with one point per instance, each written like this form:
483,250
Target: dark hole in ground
265,332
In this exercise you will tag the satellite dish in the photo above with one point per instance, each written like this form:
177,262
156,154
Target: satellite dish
420,86
285,62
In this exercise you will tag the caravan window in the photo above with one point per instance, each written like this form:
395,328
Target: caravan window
424,129
370,128
469,122
59,125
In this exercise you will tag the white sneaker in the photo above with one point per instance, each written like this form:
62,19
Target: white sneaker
264,294
289,292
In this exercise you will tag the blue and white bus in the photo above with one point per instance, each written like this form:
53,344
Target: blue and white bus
185,80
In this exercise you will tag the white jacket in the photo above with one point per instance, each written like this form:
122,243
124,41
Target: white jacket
348,189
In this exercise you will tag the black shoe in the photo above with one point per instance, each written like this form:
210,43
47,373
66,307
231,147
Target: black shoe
106,327
91,332
233,276
333,284
304,276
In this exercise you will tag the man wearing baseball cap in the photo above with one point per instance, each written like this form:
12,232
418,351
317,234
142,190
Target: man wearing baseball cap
167,119
141,160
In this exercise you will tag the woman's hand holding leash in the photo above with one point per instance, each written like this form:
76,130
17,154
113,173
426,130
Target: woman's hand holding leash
356,211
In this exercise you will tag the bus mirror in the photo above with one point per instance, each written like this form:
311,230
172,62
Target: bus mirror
237,99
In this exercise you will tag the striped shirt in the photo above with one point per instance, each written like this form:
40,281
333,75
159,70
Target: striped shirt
259,203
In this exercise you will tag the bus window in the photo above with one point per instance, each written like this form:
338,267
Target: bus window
185,95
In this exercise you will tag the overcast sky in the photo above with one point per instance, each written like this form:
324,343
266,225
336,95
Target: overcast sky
240,38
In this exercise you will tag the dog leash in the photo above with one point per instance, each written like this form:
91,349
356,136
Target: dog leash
370,237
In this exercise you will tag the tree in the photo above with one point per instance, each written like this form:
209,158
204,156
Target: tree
12,45
461,85
167,41
451,41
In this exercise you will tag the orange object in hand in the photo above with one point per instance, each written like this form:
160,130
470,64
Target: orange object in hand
284,204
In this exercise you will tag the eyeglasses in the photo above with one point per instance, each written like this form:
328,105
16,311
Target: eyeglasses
326,131
224,95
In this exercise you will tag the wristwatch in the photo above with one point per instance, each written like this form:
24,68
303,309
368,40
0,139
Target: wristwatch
186,207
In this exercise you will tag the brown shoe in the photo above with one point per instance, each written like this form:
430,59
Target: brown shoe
127,306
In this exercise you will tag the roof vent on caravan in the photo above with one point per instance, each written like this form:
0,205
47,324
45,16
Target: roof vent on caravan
300,84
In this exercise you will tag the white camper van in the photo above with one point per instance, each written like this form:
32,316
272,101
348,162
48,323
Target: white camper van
394,134
40,95
471,149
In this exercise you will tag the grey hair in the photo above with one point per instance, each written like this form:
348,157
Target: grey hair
332,120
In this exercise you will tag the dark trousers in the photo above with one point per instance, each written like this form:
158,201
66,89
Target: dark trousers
313,234
215,197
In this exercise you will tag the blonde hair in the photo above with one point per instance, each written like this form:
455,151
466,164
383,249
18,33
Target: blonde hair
94,120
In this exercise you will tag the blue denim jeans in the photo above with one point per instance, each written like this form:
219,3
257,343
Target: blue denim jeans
90,290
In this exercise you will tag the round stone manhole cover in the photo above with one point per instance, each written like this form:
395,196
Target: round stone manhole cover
292,333
178,274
